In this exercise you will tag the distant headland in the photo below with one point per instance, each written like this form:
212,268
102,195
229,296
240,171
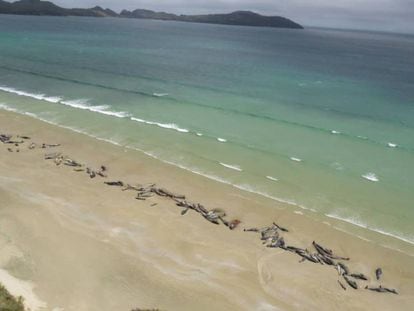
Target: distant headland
240,18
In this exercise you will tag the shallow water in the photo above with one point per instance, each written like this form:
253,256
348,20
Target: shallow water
318,118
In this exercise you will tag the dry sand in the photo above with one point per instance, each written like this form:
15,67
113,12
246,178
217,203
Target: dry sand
68,242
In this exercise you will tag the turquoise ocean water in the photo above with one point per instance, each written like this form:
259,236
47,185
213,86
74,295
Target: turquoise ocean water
323,119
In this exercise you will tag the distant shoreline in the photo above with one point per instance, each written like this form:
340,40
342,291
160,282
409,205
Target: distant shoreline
237,18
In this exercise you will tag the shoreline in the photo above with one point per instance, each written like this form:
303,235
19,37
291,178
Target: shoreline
255,271
345,224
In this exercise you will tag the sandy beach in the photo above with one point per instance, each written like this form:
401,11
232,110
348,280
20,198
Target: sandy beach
71,242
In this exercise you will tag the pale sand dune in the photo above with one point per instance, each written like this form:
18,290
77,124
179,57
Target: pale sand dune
82,245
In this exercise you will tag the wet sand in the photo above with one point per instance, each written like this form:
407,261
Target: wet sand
69,242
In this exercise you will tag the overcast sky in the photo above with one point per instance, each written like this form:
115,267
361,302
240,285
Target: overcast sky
387,15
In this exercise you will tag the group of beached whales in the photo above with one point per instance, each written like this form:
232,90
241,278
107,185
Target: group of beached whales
270,236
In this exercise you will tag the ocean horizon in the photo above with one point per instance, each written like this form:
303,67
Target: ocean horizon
321,119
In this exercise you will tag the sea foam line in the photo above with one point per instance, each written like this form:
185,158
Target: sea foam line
102,109
232,167
160,94
171,126
52,99
78,103
371,177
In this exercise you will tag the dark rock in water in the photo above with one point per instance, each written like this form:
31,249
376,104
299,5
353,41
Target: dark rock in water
378,273
114,183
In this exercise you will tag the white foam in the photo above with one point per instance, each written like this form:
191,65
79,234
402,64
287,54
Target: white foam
232,167
371,177
103,109
222,140
52,99
298,212
160,94
335,132
8,108
199,134
272,178
392,145
170,126
296,159
77,103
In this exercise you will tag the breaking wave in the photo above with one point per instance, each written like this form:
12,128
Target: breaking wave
371,177
103,109
171,126
51,99
232,167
